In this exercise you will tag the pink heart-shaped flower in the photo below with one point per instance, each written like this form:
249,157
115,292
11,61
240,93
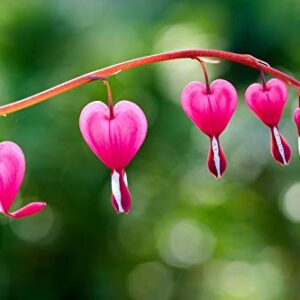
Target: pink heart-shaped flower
211,112
268,102
115,141
12,169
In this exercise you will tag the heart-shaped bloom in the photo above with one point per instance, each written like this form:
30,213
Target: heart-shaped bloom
268,102
12,169
297,121
211,111
115,141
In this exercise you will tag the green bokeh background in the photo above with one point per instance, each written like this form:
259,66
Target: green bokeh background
188,236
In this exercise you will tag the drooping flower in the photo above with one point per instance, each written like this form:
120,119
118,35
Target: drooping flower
267,101
12,169
211,110
115,137
297,121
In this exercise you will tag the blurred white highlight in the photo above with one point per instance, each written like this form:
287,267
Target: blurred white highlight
150,281
173,75
291,203
186,243
35,228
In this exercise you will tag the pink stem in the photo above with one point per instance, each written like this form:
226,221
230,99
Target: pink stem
263,79
110,99
208,91
244,59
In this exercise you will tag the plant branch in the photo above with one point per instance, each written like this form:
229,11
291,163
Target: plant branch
244,59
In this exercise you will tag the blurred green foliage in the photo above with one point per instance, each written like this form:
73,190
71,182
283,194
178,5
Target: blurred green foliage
188,236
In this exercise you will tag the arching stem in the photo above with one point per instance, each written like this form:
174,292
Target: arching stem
244,59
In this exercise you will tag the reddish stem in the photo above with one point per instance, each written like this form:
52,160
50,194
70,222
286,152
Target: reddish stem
263,79
244,59
110,99
208,91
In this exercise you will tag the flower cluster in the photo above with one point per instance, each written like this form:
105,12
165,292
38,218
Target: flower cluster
115,133
211,106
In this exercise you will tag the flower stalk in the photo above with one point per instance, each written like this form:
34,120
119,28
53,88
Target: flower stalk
110,99
208,91
244,59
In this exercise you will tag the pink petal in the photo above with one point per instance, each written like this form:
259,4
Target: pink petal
280,149
120,197
267,105
297,122
297,119
115,141
216,161
12,169
210,112
28,210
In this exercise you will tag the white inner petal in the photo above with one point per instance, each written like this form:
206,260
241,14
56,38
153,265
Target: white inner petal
125,179
215,149
299,144
279,144
115,187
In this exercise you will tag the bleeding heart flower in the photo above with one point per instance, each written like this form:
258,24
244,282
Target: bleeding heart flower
12,169
115,140
268,102
211,111
297,121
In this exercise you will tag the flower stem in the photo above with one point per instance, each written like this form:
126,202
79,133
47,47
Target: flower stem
208,91
110,99
263,79
244,59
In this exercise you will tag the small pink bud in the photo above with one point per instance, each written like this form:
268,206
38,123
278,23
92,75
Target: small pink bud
12,169
115,141
297,121
211,113
268,104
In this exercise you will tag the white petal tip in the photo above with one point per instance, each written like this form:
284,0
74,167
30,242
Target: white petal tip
215,148
279,145
115,186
